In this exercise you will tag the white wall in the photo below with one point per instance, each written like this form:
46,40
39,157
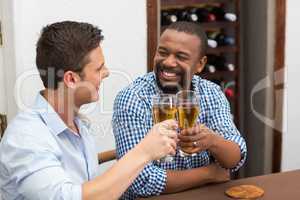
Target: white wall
2,88
291,137
124,27
3,105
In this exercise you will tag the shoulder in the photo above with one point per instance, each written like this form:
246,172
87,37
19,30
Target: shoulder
25,122
210,92
26,131
206,86
137,93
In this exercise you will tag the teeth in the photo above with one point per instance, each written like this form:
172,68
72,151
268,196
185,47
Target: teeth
169,74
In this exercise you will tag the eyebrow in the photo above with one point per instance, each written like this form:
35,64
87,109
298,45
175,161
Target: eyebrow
180,52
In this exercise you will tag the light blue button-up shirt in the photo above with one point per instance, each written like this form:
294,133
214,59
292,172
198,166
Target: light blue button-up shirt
41,158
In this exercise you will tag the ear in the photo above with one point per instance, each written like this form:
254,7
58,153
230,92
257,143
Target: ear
201,64
71,78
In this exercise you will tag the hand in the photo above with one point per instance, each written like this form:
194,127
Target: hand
197,138
161,140
218,174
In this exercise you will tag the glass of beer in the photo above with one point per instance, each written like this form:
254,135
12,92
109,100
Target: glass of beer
188,112
164,108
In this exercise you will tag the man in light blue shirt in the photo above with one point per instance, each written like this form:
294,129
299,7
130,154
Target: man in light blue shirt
48,151
44,147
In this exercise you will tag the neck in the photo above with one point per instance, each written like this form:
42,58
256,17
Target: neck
63,103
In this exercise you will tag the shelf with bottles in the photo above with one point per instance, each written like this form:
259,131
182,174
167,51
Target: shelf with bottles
200,13
220,67
177,3
219,25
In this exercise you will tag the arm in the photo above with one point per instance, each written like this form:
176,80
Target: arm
130,127
201,138
219,135
116,180
226,152
186,179
229,147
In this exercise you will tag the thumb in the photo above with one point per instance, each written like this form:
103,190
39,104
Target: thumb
170,124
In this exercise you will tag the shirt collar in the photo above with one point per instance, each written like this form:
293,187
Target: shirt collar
195,84
49,115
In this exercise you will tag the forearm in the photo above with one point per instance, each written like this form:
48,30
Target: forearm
226,152
186,179
118,178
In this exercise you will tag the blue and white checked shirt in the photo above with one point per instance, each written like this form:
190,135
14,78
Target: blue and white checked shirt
40,158
132,119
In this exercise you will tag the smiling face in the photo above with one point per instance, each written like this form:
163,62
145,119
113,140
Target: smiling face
177,59
87,89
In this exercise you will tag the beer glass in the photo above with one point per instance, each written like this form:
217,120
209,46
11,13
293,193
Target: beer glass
164,108
188,111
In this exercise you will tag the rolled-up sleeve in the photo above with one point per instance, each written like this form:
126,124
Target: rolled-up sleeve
221,122
36,172
130,128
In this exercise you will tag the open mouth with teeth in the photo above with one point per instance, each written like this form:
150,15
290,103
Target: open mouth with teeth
168,75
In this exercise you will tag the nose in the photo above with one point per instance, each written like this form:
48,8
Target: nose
170,61
105,73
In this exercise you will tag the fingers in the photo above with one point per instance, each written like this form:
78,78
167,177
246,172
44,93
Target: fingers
196,147
196,150
186,144
198,128
170,124
173,144
173,149
169,133
189,138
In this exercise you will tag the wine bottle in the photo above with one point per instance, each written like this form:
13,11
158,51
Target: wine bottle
220,63
210,68
220,38
229,92
221,15
205,16
188,14
169,16
229,89
212,43
224,40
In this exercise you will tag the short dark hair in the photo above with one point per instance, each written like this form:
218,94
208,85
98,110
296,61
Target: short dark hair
64,46
193,29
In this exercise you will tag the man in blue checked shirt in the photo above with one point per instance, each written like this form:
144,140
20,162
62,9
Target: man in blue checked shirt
218,145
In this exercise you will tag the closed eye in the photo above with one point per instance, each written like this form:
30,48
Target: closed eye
163,53
181,57
100,67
